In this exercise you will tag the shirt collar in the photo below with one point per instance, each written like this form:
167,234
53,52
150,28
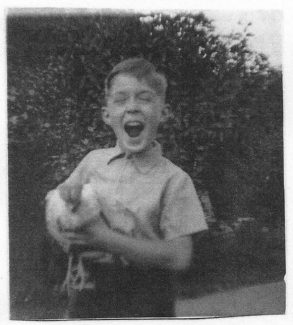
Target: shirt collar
143,161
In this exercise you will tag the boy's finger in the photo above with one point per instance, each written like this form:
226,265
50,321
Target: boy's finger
74,237
86,226
78,242
64,192
70,194
75,194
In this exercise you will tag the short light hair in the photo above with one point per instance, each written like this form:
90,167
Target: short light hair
141,69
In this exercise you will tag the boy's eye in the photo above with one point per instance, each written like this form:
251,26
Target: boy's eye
120,99
145,98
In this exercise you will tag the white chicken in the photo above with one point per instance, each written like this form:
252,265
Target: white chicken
62,216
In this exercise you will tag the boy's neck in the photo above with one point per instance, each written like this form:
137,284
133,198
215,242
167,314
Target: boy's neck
139,153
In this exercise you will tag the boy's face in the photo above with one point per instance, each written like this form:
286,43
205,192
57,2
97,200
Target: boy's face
134,111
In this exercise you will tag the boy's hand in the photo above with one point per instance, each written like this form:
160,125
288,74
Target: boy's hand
88,234
70,194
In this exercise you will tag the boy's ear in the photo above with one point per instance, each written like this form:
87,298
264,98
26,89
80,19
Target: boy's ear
165,113
105,115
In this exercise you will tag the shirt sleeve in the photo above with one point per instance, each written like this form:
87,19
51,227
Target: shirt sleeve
182,213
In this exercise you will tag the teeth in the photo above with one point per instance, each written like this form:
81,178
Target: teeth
133,123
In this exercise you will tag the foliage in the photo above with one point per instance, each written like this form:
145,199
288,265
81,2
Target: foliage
226,124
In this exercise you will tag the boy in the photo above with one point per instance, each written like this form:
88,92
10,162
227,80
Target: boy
134,180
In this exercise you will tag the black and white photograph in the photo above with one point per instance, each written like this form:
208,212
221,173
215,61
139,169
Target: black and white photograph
145,163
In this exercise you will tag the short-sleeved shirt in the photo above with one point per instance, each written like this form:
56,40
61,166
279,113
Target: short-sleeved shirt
162,202
159,195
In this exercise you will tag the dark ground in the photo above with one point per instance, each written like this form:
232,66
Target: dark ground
225,264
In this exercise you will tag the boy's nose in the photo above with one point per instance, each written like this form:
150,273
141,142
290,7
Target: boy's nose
132,106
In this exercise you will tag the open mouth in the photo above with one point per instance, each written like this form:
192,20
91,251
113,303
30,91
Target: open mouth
133,129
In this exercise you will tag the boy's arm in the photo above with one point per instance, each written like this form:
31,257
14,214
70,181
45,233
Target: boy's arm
174,254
